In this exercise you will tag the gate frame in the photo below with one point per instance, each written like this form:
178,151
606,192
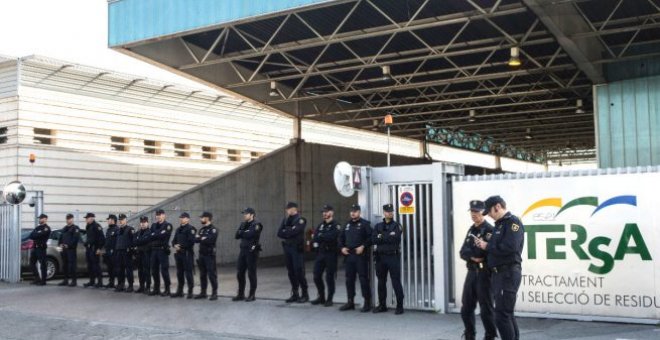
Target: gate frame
439,176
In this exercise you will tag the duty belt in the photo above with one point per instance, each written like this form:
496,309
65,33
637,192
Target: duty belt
391,252
476,266
504,267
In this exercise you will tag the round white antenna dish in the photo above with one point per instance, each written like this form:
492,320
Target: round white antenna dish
343,182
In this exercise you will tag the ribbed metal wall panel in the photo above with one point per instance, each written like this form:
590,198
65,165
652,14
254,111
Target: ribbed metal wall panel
628,122
135,20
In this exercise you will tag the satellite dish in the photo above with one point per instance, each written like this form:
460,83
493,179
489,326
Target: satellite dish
14,193
342,175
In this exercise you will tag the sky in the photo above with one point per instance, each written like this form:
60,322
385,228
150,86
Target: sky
70,30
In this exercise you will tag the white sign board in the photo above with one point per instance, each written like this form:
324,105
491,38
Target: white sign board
592,243
407,200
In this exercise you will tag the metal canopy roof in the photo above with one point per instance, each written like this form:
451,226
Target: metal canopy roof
446,57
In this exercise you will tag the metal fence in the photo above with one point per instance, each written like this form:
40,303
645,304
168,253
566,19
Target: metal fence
10,243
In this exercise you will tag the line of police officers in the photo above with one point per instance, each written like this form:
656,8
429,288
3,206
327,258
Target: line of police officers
493,259
150,247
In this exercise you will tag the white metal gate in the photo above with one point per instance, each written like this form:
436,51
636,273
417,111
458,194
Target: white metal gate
10,243
424,266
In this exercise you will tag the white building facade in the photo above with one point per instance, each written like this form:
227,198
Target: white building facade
107,142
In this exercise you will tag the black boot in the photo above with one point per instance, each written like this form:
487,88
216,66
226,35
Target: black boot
201,295
469,336
250,298
319,300
382,308
166,292
63,283
293,298
154,292
366,307
305,297
239,297
73,283
190,293
129,289
140,290
328,302
399,309
119,288
350,305
214,296
88,284
178,294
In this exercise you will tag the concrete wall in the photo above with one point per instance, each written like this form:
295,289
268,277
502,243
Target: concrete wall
266,185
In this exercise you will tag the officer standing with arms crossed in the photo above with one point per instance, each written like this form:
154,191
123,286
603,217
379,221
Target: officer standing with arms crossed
184,255
325,240
354,242
292,233
40,236
143,256
477,281
161,231
124,256
249,233
109,254
68,243
386,238
207,238
93,246
504,260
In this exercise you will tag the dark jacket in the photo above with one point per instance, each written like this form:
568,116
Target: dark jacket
506,244
207,237
95,237
185,237
326,237
40,235
125,237
69,237
142,240
110,238
160,235
469,249
249,234
356,233
292,231
387,237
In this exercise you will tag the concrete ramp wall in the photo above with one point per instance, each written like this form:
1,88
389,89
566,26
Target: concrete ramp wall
300,172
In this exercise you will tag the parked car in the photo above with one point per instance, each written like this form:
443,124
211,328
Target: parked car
54,258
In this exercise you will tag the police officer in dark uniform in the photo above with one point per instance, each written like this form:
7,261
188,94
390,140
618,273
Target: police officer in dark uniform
292,233
504,260
109,250
161,231
124,255
93,246
477,281
325,242
184,255
40,235
142,242
249,233
386,238
354,242
68,243
207,238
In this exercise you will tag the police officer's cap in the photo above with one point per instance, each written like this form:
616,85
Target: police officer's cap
88,215
184,215
43,216
388,208
112,217
122,217
160,212
248,210
207,214
291,205
327,208
68,216
491,202
476,205
355,207
144,219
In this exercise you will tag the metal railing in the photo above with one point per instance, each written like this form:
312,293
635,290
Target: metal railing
10,243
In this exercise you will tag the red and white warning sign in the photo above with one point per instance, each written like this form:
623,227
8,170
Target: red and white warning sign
406,200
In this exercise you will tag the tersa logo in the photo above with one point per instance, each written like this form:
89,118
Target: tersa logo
588,249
